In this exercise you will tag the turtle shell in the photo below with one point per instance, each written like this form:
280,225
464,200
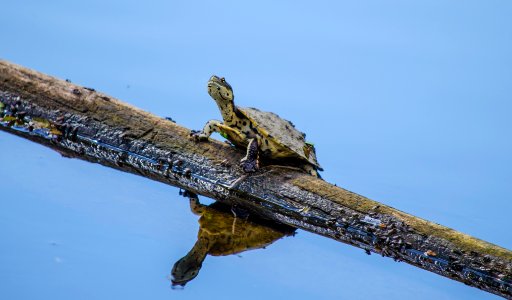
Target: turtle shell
282,133
229,236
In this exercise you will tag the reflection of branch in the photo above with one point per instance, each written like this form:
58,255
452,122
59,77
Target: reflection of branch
92,126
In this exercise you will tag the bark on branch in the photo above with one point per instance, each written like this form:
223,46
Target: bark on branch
83,123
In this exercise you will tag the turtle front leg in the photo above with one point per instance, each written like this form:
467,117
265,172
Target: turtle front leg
195,206
209,128
250,162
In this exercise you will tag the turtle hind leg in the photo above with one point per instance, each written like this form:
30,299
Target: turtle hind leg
250,162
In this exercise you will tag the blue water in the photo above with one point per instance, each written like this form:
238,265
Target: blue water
407,103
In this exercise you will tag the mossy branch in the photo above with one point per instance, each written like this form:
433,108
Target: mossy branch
83,123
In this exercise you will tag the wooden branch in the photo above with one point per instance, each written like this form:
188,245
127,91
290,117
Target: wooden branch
83,123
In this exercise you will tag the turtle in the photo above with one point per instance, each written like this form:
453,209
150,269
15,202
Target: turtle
221,233
261,133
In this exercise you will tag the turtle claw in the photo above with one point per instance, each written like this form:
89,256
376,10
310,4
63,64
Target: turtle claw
249,166
197,135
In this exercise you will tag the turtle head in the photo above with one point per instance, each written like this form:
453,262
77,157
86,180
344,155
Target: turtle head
185,270
220,90
189,265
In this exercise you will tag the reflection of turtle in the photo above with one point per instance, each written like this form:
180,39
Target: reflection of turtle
221,233
260,132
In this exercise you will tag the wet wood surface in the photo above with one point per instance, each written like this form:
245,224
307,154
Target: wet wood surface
82,123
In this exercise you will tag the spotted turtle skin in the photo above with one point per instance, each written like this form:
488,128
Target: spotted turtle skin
261,133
